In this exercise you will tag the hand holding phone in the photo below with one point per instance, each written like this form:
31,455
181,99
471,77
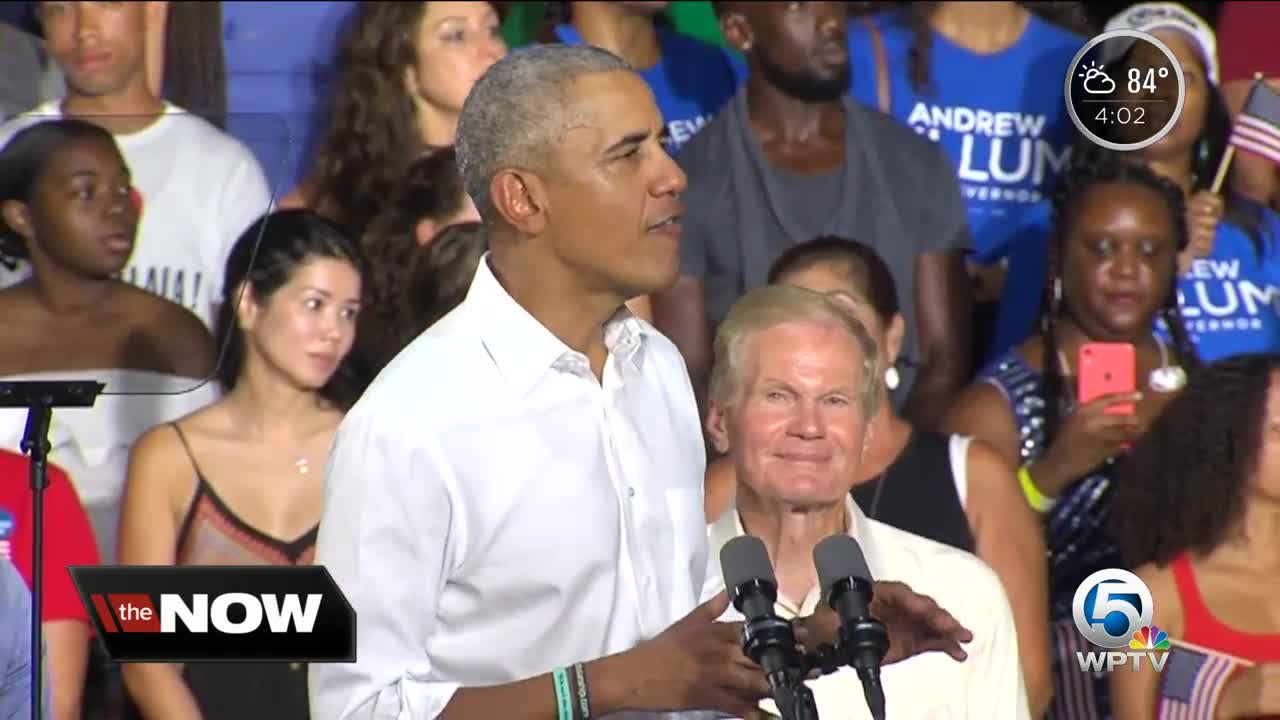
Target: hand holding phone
1107,369
1104,421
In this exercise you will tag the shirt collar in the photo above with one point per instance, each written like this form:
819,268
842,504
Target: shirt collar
524,349
861,528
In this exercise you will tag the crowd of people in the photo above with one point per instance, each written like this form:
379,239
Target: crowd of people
514,328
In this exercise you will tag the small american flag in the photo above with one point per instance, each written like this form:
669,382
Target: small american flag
1192,680
1257,127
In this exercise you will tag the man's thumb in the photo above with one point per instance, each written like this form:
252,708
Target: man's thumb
711,610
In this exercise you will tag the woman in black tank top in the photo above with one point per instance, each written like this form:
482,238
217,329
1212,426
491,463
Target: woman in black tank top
947,488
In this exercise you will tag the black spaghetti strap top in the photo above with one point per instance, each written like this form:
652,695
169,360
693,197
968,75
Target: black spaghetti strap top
917,493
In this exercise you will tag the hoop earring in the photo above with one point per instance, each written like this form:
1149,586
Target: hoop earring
892,379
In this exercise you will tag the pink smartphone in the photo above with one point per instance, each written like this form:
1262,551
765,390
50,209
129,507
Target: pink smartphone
1106,369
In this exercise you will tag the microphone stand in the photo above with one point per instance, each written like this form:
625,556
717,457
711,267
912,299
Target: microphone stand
40,398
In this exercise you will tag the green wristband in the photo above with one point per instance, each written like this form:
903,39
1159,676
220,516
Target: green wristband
564,700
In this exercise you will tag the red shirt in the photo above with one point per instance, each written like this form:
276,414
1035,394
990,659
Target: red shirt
1247,40
68,538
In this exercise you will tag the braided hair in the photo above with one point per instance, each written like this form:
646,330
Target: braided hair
1183,486
1092,166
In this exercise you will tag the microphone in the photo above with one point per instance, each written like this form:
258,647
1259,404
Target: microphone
767,639
846,586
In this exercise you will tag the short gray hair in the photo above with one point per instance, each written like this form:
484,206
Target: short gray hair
769,306
516,112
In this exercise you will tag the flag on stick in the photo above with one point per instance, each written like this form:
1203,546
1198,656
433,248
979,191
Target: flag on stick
1257,127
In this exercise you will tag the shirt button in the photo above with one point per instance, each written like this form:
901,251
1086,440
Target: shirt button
631,492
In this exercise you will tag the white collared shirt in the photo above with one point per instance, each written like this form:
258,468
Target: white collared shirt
986,686
493,512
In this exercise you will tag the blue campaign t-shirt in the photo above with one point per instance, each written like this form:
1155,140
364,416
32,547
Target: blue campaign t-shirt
1002,120
691,82
1230,299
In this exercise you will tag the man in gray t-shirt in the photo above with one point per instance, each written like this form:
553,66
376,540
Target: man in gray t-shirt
790,158
15,648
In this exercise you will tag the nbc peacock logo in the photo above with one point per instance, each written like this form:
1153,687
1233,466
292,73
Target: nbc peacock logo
1149,638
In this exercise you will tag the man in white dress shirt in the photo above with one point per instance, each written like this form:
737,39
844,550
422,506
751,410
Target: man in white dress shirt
520,490
790,405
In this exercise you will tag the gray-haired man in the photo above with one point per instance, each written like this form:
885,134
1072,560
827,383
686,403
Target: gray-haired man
514,508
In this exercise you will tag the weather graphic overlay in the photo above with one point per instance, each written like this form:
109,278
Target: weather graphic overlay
1125,90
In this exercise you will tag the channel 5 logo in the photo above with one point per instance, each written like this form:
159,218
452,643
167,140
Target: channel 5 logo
1112,609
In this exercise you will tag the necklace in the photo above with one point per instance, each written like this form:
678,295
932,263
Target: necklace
302,464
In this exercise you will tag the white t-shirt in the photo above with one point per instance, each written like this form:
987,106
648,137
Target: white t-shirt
200,189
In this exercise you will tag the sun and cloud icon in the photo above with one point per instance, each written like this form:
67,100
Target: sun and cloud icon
1096,80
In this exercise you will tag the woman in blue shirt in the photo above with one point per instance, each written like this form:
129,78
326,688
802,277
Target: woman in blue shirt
1231,269
983,80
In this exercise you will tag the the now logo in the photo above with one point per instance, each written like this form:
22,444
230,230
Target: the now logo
218,613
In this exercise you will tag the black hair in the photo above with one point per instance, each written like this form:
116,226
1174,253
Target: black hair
859,260
917,16
195,65
1091,166
265,258
23,161
1182,487
432,190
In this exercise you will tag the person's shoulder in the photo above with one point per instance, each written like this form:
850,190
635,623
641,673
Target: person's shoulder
949,575
199,135
441,375
689,48
703,156
705,148
49,110
887,137
176,332
1052,37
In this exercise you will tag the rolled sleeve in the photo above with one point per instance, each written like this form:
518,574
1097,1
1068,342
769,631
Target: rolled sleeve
386,537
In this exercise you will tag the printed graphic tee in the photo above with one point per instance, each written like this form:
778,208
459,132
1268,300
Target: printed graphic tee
1229,299
690,83
1002,120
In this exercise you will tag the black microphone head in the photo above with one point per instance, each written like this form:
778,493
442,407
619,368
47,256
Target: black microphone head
836,558
744,559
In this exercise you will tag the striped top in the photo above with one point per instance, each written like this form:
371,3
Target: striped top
1077,540
1208,655
212,534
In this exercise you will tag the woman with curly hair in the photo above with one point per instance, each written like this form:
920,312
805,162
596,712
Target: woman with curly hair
1118,228
984,81
1197,514
404,69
